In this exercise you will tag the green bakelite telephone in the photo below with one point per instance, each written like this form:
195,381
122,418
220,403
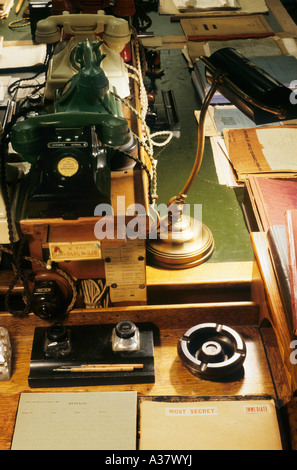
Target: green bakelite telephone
71,149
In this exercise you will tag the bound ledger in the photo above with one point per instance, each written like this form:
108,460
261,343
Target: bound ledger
278,250
270,206
267,200
291,229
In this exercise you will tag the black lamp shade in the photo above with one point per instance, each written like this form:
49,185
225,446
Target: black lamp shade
261,97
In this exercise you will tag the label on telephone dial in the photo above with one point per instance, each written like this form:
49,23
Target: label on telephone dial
68,166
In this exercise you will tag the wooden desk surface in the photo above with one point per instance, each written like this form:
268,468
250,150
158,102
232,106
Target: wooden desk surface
171,376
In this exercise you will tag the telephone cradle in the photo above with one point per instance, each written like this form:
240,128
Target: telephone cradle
84,355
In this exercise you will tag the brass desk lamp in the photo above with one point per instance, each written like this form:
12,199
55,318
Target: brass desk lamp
187,242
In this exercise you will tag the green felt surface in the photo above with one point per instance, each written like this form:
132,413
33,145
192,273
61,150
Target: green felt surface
221,206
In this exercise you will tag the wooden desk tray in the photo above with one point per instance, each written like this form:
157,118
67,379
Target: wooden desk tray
171,376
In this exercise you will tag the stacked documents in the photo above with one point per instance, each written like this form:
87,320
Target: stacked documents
246,7
205,5
241,148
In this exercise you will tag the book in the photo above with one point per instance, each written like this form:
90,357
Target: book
270,199
221,28
291,231
76,421
230,117
278,251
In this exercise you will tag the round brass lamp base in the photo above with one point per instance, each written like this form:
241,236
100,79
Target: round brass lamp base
189,248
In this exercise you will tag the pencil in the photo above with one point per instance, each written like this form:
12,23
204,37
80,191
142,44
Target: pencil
100,368
19,6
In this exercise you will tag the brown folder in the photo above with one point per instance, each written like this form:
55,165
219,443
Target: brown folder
268,150
220,28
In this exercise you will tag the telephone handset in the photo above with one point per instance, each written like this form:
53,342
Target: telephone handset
28,136
115,33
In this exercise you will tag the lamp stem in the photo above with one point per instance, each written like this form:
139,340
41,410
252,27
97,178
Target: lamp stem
187,242
200,143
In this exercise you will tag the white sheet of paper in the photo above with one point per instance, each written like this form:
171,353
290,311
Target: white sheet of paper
206,4
76,421
22,56
223,166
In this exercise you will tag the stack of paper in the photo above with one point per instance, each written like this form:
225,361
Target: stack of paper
206,5
76,421
247,7
266,151
223,165
282,242
22,57
5,7
271,199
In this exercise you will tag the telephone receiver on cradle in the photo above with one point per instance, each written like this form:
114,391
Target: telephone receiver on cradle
72,149
67,30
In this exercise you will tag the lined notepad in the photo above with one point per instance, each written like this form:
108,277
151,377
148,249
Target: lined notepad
76,421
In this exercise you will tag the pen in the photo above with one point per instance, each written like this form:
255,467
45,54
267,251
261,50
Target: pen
100,368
